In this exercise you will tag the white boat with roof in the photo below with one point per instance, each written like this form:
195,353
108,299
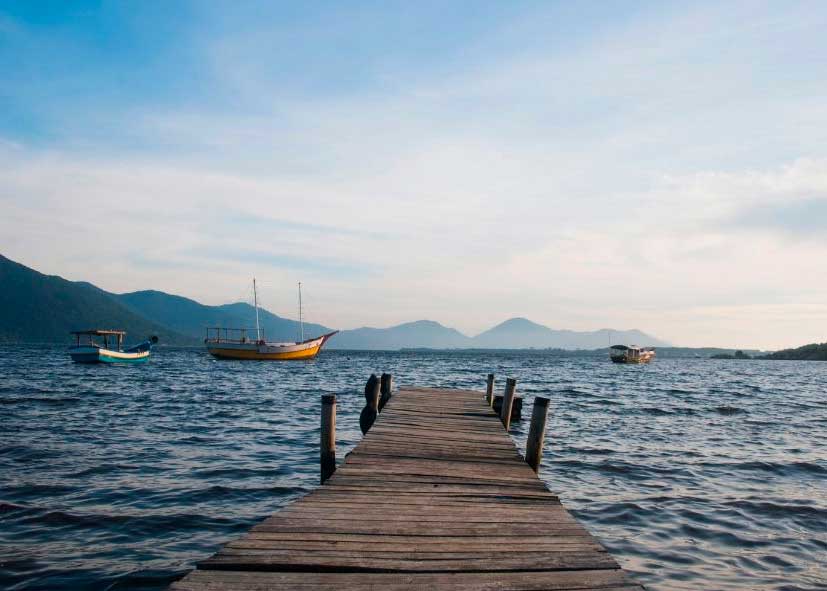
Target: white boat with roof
106,346
631,354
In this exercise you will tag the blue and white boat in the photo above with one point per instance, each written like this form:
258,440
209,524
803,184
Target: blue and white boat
90,349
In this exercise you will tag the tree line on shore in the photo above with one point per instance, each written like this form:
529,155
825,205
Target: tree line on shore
811,352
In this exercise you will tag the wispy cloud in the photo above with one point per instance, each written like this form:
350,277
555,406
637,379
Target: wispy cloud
803,219
257,224
310,265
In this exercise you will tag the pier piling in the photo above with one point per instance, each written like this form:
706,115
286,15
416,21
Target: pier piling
508,402
385,387
371,410
536,433
516,406
328,438
489,390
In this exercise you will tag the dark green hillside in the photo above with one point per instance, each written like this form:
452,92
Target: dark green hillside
813,352
44,308
190,318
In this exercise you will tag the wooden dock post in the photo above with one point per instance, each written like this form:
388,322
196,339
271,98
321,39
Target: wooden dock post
489,390
371,410
385,387
327,446
516,406
536,433
508,402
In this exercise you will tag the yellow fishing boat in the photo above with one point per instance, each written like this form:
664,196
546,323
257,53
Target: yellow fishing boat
233,343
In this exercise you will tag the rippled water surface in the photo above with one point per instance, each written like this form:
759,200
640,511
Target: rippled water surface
696,474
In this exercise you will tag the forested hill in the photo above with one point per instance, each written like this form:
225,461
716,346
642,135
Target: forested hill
813,352
190,318
40,308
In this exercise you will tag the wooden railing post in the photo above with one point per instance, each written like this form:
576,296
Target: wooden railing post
508,402
489,390
328,440
536,433
385,387
371,410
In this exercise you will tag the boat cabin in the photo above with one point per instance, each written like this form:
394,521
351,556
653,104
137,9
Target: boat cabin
237,336
107,336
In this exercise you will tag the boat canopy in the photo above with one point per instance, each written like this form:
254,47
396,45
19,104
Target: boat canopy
98,332
218,334
620,347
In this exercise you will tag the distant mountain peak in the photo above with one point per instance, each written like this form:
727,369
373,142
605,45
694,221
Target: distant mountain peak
513,326
519,322
423,324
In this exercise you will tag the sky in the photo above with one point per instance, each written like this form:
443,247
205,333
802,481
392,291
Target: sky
660,166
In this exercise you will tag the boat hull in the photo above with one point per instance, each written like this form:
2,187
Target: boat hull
632,361
643,358
100,355
268,351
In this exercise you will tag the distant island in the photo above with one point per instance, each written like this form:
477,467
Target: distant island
813,352
737,355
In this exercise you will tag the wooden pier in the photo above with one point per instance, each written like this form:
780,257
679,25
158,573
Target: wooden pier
435,496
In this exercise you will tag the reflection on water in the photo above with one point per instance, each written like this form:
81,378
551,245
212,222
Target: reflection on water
696,474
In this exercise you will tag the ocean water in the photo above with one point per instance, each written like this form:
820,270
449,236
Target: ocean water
696,474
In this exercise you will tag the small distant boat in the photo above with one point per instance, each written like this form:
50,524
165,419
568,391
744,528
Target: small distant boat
233,343
92,351
633,354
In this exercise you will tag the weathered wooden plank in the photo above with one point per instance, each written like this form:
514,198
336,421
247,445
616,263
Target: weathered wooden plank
418,529
396,519
435,476
437,545
415,503
441,511
320,562
580,537
376,553
605,580
437,484
392,457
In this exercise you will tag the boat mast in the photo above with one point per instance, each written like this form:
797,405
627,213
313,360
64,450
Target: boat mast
301,322
255,302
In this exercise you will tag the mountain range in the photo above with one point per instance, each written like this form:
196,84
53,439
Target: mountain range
516,333
44,308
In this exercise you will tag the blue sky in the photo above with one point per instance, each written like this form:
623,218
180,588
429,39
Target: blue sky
651,165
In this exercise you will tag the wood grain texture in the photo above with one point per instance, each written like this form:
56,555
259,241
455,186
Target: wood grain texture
508,402
435,496
537,433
